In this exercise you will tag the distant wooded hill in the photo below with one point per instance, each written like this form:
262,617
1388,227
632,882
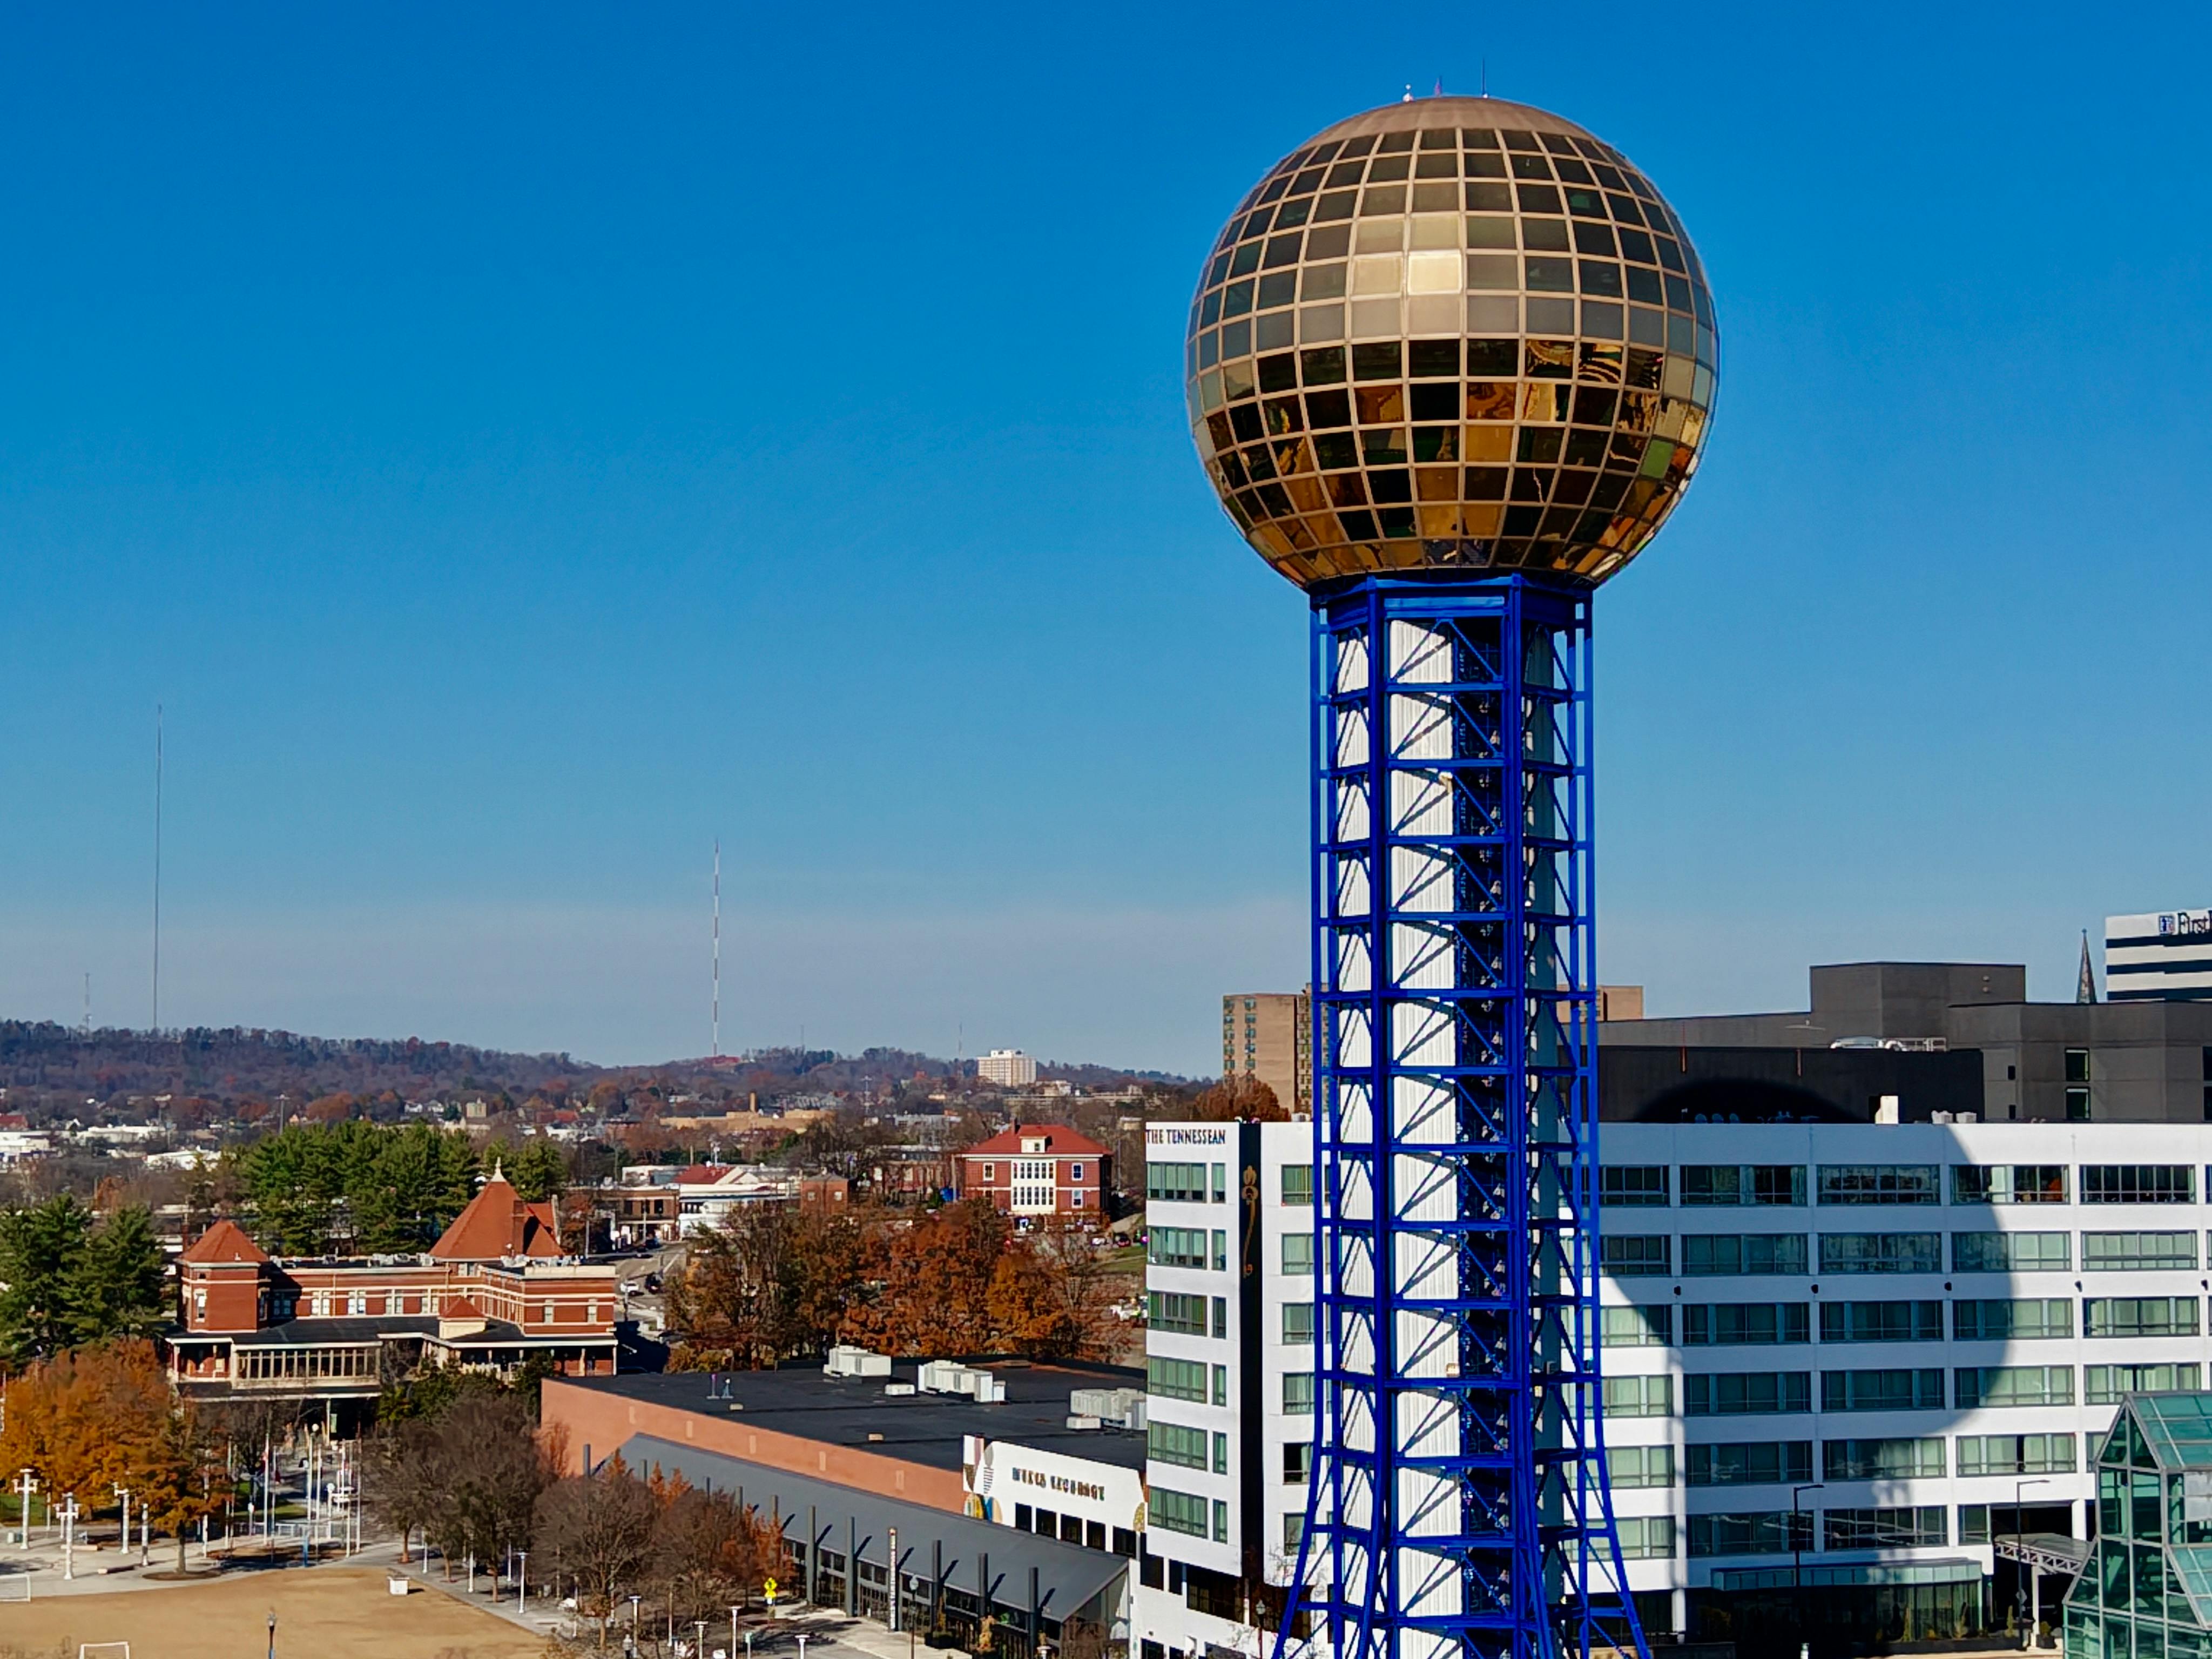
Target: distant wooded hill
51,1061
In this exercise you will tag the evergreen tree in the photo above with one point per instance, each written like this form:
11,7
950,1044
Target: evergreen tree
538,1171
116,1286
41,1249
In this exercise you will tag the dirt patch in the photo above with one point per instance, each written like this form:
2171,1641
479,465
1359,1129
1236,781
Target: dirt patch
329,1613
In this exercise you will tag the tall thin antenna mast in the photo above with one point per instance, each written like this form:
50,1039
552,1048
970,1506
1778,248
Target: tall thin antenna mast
157,866
718,948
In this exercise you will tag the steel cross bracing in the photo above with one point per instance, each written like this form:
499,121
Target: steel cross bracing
1460,1508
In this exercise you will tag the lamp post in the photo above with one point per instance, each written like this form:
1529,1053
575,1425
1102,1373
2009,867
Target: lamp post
1797,1564
2034,1578
27,1485
522,1581
272,1636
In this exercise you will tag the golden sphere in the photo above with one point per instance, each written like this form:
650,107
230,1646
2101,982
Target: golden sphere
1451,334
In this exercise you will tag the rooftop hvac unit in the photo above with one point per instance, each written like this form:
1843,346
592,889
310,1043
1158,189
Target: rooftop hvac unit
847,1361
1123,1407
944,1376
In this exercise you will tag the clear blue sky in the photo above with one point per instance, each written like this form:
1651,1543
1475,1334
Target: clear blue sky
520,447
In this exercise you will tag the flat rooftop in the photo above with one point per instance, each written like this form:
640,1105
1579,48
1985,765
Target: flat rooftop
798,1399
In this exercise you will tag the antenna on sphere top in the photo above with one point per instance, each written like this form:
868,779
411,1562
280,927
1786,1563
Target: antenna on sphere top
1485,77
1408,98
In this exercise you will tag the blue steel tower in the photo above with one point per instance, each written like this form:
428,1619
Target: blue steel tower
1450,367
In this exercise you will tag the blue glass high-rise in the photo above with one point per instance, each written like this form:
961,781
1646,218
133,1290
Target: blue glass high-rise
1450,367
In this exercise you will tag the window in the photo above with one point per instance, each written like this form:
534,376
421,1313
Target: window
1298,1323
990,1172
1631,1468
1734,1324
1221,1454
2015,1385
1221,1317
2015,1454
1171,1443
1636,1255
1637,1185
1750,1463
1220,1251
1640,1396
1646,1537
1175,1379
1221,1385
1294,1533
1298,1462
1880,1183
2077,1105
1220,1183
1298,1253
1881,1460
1637,1328
1297,1184
1881,1253
2139,1315
1298,1394
2011,1253
1868,1529
1075,1172
1177,1315
1220,1521
2009,1183
2106,1385
1177,1247
1768,1532
1178,1511
2077,1064
2029,1319
1891,1390
1882,1321
2138,1183
1734,1253
1743,1184
1746,1393
2108,1253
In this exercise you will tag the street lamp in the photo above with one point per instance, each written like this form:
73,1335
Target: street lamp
272,1636
1797,1564
2034,1578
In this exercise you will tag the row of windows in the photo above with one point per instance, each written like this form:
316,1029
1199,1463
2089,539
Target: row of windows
1201,1183
1652,1255
1645,1185
1789,1463
1201,1247
1780,1532
2016,1319
1893,1389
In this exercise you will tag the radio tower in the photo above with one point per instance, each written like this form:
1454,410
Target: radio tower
1448,445
716,1051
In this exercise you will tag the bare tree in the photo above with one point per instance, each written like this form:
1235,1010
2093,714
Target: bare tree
597,1530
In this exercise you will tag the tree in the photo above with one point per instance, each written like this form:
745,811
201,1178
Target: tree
180,1477
1239,1098
598,1530
40,1249
118,1286
932,1280
1051,1297
766,1286
707,1552
537,1171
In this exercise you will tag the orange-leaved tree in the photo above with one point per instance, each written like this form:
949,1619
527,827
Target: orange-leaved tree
1051,1297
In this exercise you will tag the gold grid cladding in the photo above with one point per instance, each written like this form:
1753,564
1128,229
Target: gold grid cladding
1451,333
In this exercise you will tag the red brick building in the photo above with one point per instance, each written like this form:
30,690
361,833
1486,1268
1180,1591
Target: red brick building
496,1288
1037,1170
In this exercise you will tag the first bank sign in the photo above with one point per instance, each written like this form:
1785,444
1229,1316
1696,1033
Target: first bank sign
2185,924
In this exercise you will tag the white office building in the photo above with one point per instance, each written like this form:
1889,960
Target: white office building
1845,1360
1010,1068
2164,956
1230,1353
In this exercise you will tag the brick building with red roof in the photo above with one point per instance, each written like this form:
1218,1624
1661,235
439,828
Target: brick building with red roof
1038,1169
496,1288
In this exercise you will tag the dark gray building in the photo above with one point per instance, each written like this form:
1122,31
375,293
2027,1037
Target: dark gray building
1895,1034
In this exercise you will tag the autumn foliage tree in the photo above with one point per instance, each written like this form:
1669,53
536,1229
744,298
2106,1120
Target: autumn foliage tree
1239,1098
769,1284
98,1418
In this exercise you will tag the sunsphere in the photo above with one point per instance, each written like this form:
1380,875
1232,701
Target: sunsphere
1455,334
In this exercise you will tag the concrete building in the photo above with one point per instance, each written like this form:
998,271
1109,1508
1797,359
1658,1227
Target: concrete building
1010,1068
2165,956
1230,1362
1882,1348
1892,1035
1268,1036
1038,1169
997,1495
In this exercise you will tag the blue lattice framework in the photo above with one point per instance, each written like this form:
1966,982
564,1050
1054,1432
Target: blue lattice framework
1460,1508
